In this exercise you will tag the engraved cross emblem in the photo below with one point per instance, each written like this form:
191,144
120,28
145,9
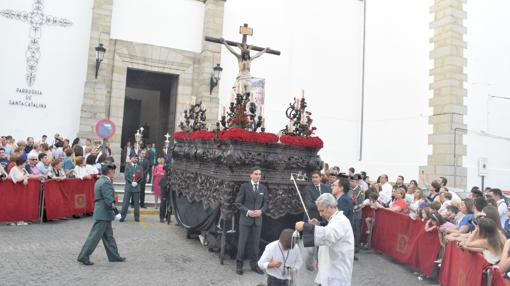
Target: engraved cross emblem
36,18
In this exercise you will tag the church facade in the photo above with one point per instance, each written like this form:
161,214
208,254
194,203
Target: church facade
105,97
435,97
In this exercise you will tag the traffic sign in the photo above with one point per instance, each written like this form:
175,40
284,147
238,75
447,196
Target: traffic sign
105,128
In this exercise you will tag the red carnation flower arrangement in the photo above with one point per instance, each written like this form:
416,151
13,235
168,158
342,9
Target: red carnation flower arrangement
202,134
310,142
238,134
181,135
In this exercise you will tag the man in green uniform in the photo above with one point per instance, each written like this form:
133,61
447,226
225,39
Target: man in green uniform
133,176
104,213
358,197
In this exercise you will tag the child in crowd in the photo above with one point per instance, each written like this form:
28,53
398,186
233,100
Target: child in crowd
424,213
281,258
452,214
373,204
435,206
436,221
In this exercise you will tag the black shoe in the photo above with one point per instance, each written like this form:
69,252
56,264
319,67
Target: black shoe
356,258
122,219
143,207
132,205
162,220
255,268
86,262
121,259
239,268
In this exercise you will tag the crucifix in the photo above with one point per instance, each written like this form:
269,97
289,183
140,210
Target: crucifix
36,18
243,80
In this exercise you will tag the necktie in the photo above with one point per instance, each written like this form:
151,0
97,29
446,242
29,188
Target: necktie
318,188
256,188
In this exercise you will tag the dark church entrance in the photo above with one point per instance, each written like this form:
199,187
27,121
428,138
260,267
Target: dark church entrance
150,102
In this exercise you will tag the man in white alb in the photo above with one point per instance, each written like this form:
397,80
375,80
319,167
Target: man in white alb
335,241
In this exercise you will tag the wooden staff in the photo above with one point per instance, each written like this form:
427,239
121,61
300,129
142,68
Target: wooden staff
299,195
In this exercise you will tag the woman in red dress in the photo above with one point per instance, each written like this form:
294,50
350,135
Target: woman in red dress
157,173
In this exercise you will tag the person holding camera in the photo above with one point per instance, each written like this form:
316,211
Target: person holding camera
104,214
281,259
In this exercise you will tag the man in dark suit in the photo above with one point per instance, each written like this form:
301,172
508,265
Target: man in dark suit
251,201
340,189
151,157
311,193
103,216
133,176
144,163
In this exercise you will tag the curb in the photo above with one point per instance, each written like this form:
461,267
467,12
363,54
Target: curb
145,212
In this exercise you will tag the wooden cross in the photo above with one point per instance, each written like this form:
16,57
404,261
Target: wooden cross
245,31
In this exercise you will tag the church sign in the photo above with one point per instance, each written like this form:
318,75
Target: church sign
27,98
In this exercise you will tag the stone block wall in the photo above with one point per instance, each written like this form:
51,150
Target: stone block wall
447,103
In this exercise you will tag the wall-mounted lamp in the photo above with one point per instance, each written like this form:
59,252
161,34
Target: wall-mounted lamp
100,50
215,77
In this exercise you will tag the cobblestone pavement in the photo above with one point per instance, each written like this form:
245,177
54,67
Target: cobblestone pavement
157,254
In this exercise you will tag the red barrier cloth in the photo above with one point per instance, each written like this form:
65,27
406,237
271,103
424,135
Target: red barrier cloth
68,197
406,240
497,278
89,190
461,267
365,212
19,202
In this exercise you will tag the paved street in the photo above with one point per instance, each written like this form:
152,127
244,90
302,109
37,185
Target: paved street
157,254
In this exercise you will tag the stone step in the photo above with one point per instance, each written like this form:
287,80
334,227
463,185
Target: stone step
149,195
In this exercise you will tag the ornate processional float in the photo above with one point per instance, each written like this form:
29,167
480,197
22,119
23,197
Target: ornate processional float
209,166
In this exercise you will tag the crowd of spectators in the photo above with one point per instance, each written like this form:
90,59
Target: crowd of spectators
21,160
479,222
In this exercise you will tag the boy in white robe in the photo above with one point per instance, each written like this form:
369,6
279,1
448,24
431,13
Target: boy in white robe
335,241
